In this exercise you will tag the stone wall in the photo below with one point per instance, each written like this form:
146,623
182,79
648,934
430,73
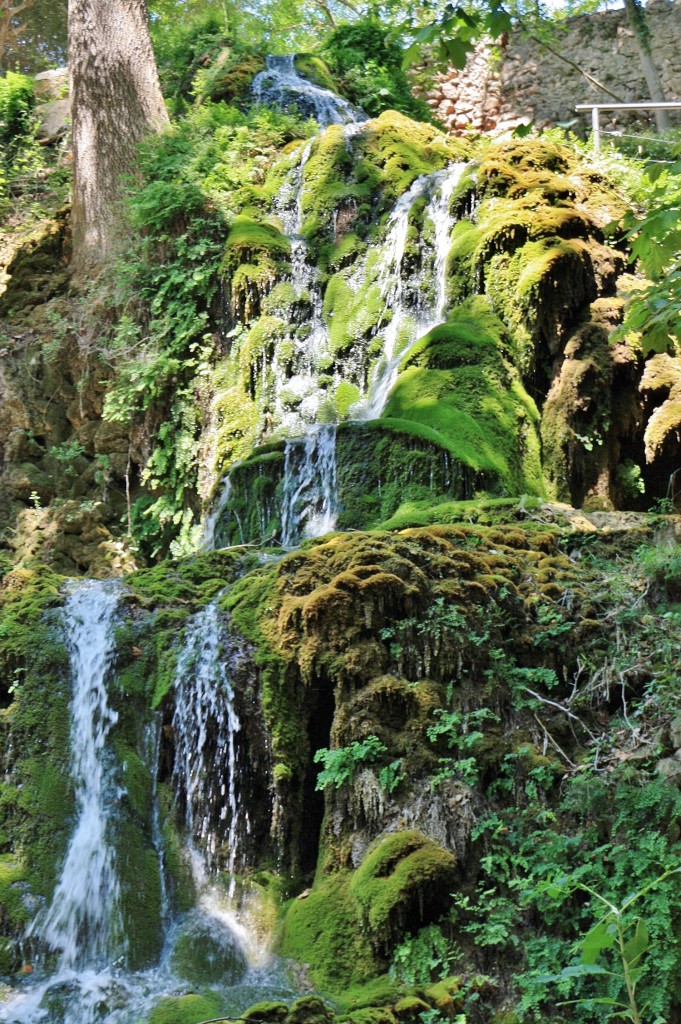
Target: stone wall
521,81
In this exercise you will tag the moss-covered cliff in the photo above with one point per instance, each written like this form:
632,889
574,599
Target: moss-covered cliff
418,752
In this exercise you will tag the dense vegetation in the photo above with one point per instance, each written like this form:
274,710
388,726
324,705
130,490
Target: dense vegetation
466,701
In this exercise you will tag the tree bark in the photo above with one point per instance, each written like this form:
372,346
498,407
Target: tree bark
636,16
116,101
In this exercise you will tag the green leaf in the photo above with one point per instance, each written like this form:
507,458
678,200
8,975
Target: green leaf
600,937
497,22
636,946
455,51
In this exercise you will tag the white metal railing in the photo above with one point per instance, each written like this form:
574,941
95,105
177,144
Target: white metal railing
596,108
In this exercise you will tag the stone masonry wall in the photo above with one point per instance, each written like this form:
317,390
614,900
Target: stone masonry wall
520,81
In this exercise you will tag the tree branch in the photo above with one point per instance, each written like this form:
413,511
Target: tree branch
327,11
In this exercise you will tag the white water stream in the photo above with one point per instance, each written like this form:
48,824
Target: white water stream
83,924
309,490
280,85
410,316
205,725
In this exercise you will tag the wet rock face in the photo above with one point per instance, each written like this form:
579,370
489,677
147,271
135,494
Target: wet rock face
206,952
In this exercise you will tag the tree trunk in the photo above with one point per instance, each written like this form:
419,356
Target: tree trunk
636,16
116,101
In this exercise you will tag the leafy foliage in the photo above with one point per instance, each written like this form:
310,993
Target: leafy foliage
341,764
654,311
625,936
367,63
167,332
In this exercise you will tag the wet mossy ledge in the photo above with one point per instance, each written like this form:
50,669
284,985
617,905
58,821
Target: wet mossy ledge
398,638
280,339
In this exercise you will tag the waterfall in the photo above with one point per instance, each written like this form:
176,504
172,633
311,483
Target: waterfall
280,85
83,920
83,923
309,490
213,517
205,725
411,317
439,212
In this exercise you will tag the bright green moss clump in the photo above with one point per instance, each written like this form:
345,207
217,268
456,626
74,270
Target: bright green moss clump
351,920
324,931
403,882
316,70
460,382
191,1009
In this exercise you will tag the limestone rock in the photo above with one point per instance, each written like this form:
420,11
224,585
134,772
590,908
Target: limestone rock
54,118
52,85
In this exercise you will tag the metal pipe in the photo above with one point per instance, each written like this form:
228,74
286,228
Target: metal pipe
596,108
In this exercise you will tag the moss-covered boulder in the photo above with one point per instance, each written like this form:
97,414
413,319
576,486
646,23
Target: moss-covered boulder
403,882
206,952
461,383
189,1009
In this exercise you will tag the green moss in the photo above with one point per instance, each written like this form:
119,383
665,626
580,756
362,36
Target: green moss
404,880
345,396
324,931
460,383
381,991
327,181
316,70
309,1010
187,582
256,253
397,150
14,915
343,252
267,1010
371,1015
410,1008
138,869
351,316
178,869
229,77
207,953
486,511
191,1009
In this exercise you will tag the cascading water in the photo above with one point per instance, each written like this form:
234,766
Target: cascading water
309,491
411,291
410,317
213,518
83,925
83,921
282,86
205,725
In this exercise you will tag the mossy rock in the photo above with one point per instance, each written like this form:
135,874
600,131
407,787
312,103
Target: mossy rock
229,77
270,1011
190,1009
309,1010
370,1015
410,1009
404,880
324,932
460,383
316,70
206,952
